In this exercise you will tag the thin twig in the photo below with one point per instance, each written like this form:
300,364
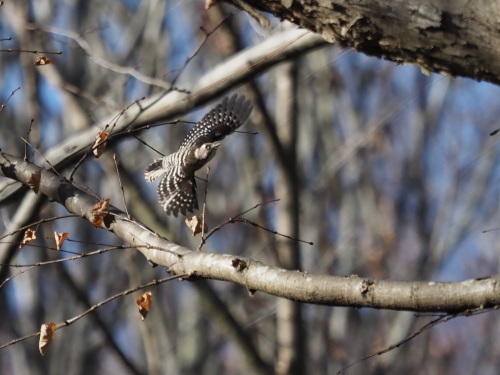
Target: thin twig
95,307
426,327
87,49
207,35
42,221
27,137
258,205
238,218
31,51
150,126
244,132
10,96
94,146
121,187
60,260
14,275
246,221
39,153
202,242
148,145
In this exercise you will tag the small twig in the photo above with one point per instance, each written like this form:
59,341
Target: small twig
60,260
147,145
70,321
246,221
150,126
45,247
27,137
490,230
105,63
42,221
231,220
10,96
244,132
121,187
202,242
239,219
86,189
399,343
14,275
114,121
257,205
188,60
39,153
426,327
31,51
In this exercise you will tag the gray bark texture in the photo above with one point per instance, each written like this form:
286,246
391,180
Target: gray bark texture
450,297
455,38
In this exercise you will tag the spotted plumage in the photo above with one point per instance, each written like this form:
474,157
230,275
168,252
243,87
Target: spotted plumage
177,189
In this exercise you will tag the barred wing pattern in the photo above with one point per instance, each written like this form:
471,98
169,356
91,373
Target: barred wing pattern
177,188
223,120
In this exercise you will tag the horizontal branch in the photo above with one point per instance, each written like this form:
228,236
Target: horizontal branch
299,286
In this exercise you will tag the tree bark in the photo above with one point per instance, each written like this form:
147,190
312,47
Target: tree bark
300,286
455,38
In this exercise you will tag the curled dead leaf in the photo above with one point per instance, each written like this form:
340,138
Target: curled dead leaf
99,212
46,337
60,237
194,223
98,147
29,236
43,60
144,302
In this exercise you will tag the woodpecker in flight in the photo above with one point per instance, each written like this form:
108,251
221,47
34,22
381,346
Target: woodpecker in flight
177,188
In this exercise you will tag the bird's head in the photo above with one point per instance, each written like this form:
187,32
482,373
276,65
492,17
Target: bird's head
206,151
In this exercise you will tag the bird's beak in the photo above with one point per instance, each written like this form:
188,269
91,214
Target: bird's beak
216,144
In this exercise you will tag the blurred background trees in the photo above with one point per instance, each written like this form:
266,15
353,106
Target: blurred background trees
391,173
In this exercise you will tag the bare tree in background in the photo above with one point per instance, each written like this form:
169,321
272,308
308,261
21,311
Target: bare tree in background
390,173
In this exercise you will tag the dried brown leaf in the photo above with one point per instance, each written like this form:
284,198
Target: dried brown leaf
43,60
60,237
144,302
98,149
99,212
29,236
46,337
194,224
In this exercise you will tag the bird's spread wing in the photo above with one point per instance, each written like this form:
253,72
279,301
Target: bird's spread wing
227,116
177,192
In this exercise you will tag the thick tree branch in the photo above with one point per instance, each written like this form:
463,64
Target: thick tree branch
456,38
256,276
